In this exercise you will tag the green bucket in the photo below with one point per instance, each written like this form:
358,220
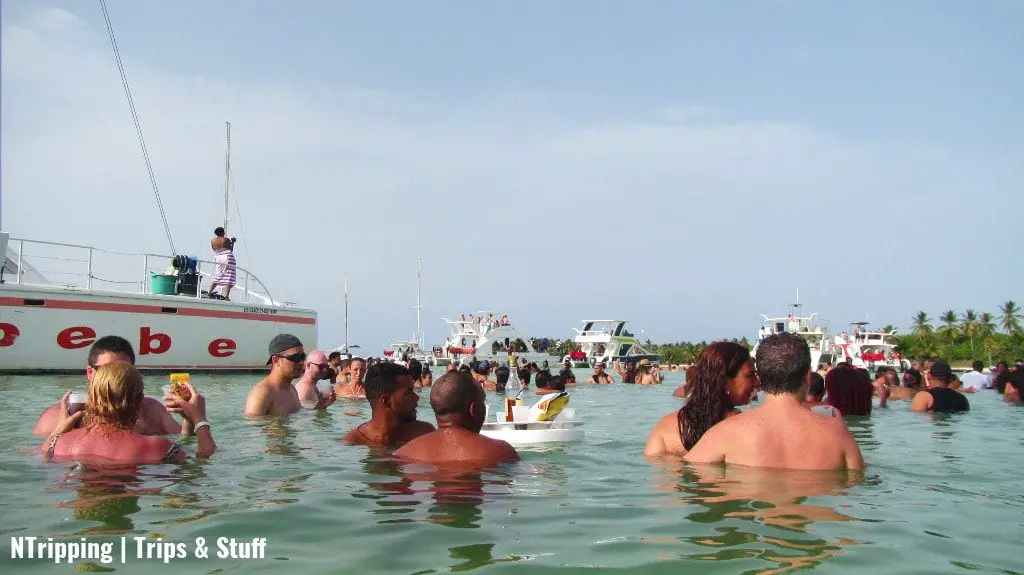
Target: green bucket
163,284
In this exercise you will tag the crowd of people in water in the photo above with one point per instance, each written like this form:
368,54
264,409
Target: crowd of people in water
118,423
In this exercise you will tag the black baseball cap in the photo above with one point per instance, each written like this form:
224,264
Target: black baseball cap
282,342
941,370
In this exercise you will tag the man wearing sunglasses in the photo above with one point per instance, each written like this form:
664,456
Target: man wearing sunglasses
317,368
275,394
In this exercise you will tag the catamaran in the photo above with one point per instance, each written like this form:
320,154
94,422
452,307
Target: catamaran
606,341
486,336
48,318
815,334
870,349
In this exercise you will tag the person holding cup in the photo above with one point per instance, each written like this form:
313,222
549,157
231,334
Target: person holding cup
108,433
154,419
312,394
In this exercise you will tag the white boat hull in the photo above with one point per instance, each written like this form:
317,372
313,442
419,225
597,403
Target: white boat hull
48,329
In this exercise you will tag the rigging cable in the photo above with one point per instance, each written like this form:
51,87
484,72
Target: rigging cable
241,225
138,127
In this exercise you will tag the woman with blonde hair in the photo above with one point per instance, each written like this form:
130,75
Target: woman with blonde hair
107,433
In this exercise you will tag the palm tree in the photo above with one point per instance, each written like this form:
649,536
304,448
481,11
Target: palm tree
986,325
1011,317
949,327
922,324
986,328
969,326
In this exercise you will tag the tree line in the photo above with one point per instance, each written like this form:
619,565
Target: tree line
965,336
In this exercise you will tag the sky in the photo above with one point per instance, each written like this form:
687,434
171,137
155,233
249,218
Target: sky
686,166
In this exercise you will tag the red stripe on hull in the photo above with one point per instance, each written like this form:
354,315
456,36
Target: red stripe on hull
155,310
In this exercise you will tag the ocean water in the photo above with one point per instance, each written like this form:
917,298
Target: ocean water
942,494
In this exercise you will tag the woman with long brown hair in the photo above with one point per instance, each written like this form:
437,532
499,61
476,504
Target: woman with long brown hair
722,379
107,433
849,390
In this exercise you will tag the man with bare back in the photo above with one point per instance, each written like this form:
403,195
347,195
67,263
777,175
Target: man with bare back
782,433
458,404
393,401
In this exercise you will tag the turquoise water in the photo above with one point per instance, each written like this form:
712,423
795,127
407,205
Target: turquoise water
942,494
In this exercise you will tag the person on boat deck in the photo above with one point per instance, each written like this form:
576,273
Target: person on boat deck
393,401
781,433
354,387
224,254
938,397
153,417
722,379
275,394
647,374
108,422
459,406
481,370
600,377
629,374
317,368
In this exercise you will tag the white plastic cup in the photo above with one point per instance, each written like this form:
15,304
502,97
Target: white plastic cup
324,387
76,402
520,414
167,391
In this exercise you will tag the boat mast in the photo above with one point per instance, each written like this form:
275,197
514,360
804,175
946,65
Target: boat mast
227,174
419,332
346,313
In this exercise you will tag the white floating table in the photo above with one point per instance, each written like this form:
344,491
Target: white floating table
534,432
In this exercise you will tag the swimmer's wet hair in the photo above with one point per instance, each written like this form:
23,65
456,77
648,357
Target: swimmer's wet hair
382,379
453,393
783,361
110,344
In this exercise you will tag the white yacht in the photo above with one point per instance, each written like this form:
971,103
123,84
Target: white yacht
605,341
870,349
487,336
816,335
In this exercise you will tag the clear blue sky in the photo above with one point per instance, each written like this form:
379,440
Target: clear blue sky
685,165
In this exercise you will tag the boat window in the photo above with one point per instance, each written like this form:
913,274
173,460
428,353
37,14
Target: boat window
618,329
624,348
780,327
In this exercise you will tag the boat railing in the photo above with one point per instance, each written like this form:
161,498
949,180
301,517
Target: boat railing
80,267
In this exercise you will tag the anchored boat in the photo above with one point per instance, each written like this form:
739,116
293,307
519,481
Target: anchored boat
47,324
606,341
487,336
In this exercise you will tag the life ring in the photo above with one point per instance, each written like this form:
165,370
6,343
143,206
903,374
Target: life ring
462,350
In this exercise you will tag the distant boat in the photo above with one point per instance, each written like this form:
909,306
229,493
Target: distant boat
606,341
484,337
